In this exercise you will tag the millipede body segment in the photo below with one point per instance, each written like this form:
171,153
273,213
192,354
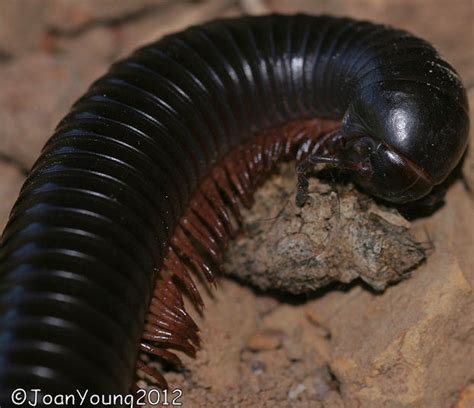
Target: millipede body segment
141,183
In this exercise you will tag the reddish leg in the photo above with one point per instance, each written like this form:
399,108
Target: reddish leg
330,153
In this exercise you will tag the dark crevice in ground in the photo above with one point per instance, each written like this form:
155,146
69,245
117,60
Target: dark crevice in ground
335,383
113,21
5,56
5,158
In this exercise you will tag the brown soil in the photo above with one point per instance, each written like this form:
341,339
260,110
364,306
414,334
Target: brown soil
411,345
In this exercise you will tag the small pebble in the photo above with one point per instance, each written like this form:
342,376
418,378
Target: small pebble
295,391
269,339
466,397
258,367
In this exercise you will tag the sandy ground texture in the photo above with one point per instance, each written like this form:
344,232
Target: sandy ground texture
345,346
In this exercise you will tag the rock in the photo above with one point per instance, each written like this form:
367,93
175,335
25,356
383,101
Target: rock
31,102
37,91
27,26
296,391
265,340
343,235
71,17
22,26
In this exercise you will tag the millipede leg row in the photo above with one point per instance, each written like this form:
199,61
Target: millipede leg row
205,228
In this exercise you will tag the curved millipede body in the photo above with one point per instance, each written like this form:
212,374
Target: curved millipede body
142,181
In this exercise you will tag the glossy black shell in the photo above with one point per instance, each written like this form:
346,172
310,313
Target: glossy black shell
86,236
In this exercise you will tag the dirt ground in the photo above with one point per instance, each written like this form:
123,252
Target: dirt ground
346,346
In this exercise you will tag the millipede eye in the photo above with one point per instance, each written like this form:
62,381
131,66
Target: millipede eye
359,148
365,169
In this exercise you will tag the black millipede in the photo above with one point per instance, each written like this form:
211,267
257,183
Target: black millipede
142,183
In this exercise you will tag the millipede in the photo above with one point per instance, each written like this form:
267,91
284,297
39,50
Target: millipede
141,185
